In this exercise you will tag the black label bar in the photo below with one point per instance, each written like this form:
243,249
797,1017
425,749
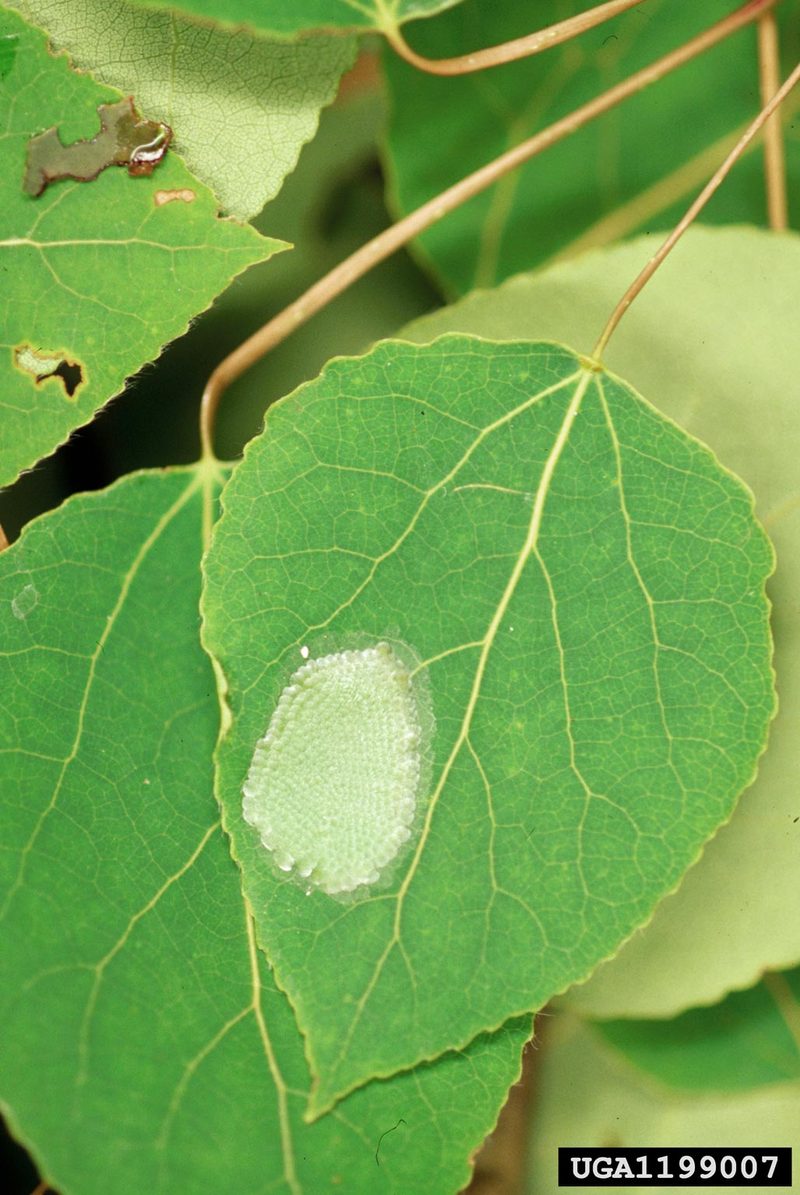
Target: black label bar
654,1167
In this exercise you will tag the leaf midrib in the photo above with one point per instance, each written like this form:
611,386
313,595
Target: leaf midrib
584,376
427,496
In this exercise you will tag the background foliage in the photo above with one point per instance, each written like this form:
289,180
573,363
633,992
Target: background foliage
170,1058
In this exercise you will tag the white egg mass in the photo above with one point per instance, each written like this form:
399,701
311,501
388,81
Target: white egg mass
333,784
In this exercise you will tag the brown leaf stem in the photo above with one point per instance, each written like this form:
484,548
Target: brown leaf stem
774,154
399,234
510,51
694,210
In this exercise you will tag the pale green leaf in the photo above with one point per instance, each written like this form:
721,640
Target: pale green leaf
582,586
329,206
145,1046
281,19
626,172
99,274
589,1094
712,340
747,1040
241,108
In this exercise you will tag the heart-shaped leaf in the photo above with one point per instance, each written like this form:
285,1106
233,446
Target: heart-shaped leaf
578,590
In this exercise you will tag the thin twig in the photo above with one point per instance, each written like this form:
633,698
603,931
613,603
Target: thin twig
510,51
774,157
694,210
399,234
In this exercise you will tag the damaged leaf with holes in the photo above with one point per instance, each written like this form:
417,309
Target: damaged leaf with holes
241,106
583,585
124,140
55,366
98,275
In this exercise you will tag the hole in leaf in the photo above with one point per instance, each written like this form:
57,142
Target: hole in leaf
19,1173
43,365
125,139
183,194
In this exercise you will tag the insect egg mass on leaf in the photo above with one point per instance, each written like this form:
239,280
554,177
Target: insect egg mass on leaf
333,784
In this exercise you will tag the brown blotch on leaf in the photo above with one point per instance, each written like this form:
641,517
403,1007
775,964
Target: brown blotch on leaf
3,540
184,195
41,365
124,140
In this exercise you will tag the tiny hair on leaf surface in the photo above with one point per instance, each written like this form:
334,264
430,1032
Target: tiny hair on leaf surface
121,274
241,107
723,366
123,929
583,585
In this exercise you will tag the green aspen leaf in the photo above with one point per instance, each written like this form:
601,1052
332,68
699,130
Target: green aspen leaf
131,990
621,174
241,108
711,339
582,587
745,1041
279,19
595,1095
98,275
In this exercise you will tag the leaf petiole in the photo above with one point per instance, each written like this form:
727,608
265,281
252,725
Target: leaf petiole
774,157
393,238
694,210
510,51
